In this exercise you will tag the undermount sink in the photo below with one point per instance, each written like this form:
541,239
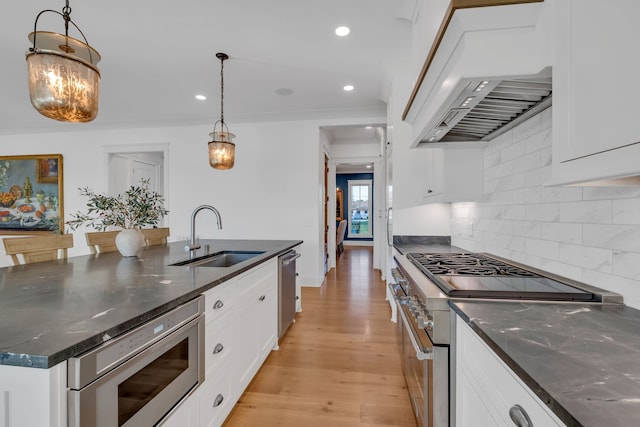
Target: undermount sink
220,259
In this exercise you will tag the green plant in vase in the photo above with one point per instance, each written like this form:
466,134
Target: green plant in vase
136,208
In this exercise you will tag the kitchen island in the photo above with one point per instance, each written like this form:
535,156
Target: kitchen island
53,311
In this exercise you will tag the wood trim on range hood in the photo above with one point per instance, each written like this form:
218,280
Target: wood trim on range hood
453,6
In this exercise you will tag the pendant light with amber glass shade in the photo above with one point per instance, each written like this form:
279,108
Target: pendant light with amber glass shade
222,150
64,80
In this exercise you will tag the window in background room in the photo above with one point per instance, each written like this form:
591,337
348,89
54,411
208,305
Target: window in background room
359,208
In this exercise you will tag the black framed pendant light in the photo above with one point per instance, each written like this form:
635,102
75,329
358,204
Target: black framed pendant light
64,80
222,151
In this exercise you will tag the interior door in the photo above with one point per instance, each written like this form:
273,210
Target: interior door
147,171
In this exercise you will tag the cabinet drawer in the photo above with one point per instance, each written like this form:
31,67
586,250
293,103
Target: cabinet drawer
219,300
486,388
216,399
217,342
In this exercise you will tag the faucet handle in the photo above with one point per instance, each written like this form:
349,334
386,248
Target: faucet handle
192,247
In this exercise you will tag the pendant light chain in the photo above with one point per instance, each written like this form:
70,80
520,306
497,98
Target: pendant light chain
66,14
222,91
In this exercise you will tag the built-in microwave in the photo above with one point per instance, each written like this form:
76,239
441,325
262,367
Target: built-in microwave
137,378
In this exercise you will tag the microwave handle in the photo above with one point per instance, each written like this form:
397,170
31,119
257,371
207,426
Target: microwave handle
420,354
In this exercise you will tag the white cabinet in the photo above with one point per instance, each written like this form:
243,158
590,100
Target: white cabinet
453,175
185,415
596,131
241,317
487,389
216,396
33,397
255,330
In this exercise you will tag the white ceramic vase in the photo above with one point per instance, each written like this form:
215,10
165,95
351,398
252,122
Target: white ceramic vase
129,242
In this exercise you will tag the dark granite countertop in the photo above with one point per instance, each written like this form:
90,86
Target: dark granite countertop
431,244
51,311
583,361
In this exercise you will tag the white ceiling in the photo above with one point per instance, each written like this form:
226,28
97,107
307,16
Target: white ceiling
157,55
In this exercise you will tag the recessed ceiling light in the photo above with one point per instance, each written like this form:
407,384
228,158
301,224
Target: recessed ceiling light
342,31
348,88
201,97
284,91
369,127
369,166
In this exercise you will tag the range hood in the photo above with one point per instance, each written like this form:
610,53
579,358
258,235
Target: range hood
488,69
486,108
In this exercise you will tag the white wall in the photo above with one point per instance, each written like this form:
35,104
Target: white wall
271,193
589,234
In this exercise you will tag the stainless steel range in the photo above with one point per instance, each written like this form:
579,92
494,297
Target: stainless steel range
425,282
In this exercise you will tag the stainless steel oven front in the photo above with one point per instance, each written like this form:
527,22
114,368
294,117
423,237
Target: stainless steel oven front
136,379
425,367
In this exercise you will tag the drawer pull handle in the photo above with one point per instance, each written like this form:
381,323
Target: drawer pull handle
262,297
218,401
519,416
218,305
218,348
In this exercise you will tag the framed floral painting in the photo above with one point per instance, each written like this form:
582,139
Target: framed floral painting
31,194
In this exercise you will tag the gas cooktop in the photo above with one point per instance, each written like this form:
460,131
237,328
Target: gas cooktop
474,275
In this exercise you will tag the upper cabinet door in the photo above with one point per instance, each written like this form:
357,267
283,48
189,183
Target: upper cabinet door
596,130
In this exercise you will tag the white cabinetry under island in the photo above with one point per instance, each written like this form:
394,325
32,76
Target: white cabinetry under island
240,332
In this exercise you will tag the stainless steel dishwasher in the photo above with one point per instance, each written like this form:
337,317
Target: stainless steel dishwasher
286,290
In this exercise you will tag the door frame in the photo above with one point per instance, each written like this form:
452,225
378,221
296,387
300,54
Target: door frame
129,149
377,205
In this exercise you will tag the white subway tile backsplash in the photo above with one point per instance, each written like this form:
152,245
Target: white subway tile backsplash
617,237
513,212
510,182
513,151
626,264
531,161
626,211
589,234
545,118
599,193
527,228
560,194
561,232
543,248
526,195
596,212
528,128
586,257
537,176
543,212
546,157
500,198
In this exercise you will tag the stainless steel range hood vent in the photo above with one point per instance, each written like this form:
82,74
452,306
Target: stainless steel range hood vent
487,108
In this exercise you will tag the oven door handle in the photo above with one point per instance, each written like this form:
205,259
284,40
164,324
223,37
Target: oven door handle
421,354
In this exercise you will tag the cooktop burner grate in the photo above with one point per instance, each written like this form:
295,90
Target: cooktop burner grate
474,275
466,265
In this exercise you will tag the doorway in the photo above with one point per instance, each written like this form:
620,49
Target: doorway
128,165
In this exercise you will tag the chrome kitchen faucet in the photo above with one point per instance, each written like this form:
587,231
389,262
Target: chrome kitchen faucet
192,246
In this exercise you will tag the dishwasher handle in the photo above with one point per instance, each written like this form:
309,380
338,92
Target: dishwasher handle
290,257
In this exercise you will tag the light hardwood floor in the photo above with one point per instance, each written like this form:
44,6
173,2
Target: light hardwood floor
338,366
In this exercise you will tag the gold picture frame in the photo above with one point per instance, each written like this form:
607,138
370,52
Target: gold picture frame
339,205
47,169
31,194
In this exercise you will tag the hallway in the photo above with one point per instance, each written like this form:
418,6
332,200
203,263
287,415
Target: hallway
338,366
